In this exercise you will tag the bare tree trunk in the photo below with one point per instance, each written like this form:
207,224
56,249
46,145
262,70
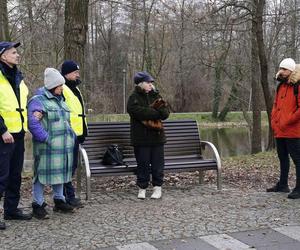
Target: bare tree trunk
4,31
220,65
230,101
75,29
255,100
260,4
294,26
31,23
180,92
217,90
181,56
147,56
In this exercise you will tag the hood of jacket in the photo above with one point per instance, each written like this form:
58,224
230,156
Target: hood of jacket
295,75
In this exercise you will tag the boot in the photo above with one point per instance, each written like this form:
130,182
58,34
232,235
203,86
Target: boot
156,193
295,194
279,188
17,215
75,202
142,194
62,206
2,225
39,212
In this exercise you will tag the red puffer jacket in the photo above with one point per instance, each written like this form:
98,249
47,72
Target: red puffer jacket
285,118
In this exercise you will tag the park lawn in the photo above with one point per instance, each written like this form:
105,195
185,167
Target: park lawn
204,118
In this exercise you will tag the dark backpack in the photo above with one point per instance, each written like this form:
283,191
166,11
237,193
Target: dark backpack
113,156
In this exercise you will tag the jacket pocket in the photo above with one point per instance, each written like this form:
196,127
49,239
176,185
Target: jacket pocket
53,115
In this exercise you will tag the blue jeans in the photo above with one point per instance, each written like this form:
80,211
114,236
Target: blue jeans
38,192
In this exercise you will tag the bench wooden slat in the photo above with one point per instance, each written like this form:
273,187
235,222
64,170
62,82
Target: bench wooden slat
168,167
168,164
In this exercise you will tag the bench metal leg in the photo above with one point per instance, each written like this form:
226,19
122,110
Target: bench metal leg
78,176
87,172
88,188
219,179
201,177
218,160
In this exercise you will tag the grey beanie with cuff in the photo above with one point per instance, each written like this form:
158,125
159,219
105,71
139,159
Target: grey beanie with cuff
53,78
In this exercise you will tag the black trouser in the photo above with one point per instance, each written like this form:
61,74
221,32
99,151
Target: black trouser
11,164
69,190
286,147
149,160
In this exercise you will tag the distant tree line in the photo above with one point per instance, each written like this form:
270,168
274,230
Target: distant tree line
206,55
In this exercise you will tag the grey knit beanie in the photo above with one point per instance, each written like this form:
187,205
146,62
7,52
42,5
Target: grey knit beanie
52,78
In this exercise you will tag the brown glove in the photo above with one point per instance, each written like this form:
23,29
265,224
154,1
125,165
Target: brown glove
153,124
158,103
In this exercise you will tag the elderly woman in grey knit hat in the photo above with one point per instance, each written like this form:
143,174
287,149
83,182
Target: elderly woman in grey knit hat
53,142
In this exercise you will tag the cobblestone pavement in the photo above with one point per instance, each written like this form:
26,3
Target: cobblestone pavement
119,218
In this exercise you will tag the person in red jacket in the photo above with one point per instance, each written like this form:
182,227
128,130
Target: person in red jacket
285,121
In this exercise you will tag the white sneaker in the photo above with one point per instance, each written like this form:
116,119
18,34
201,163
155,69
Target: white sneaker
156,193
142,193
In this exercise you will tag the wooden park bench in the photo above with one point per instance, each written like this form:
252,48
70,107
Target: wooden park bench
183,151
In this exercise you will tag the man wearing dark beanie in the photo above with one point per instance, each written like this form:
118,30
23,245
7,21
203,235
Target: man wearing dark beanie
74,100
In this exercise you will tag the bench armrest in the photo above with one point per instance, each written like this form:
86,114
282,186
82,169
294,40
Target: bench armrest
218,160
85,159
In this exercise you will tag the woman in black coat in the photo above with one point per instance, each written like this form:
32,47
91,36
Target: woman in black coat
146,109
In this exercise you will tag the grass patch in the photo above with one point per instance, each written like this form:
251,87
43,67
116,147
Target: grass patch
200,117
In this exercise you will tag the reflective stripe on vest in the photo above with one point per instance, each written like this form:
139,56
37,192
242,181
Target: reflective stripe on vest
9,106
77,115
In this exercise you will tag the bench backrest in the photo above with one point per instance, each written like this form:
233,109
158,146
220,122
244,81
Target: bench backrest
182,139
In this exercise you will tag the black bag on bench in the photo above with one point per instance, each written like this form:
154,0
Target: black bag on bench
113,156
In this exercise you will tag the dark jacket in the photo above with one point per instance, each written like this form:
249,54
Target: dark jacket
138,107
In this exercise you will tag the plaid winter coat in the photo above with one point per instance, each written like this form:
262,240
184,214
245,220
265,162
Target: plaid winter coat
53,138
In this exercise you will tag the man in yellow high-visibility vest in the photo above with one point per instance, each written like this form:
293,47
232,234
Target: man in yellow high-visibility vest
13,125
73,98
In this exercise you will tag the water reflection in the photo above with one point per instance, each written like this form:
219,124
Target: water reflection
232,141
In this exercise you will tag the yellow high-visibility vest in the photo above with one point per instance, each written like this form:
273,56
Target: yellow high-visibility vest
14,115
77,116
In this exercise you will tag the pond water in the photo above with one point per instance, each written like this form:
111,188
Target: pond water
232,141
229,141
